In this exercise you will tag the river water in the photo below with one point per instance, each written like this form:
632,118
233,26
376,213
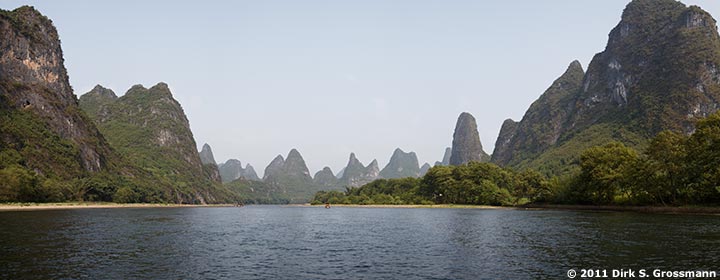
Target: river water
276,242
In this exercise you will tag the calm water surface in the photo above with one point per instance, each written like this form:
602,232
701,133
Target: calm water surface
274,242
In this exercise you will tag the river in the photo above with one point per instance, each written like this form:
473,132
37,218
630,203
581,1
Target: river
285,242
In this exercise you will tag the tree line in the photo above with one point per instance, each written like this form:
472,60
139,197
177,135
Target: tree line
672,169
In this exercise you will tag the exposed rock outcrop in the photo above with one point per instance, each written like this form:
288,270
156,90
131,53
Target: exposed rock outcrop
503,150
543,123
42,123
658,71
149,127
466,144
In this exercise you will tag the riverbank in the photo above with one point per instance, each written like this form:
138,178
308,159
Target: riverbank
414,206
94,205
706,210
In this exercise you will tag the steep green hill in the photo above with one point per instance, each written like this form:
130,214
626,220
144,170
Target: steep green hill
659,71
149,129
49,149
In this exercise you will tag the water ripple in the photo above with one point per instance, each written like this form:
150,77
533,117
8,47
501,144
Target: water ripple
261,242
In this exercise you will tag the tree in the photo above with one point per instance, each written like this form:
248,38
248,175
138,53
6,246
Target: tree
703,162
530,185
660,176
603,172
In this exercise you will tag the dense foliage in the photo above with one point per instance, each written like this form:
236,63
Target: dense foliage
472,183
673,169
136,125
255,192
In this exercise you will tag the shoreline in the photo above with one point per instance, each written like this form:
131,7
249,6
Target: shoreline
436,206
690,209
96,205
697,210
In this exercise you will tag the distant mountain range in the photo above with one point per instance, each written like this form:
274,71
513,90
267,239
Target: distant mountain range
232,170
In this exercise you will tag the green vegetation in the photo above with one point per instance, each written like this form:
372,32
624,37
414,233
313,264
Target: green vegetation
37,164
19,18
658,72
619,134
673,169
472,183
564,158
255,192
149,130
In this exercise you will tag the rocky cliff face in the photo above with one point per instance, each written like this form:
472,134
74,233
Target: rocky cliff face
42,125
356,174
466,144
401,165
502,151
325,178
658,71
543,122
149,127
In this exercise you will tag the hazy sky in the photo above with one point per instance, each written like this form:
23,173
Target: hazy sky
257,78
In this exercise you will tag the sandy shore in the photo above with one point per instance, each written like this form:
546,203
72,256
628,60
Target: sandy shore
91,205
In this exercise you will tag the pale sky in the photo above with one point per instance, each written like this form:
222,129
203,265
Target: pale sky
258,78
